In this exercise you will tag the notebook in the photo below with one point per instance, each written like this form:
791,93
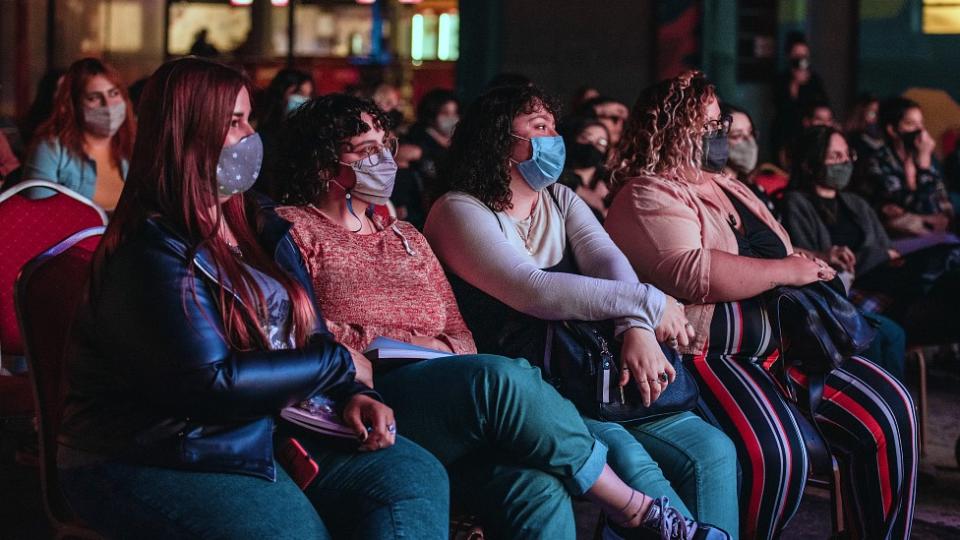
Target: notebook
385,351
317,414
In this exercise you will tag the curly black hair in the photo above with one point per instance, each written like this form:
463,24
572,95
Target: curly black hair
310,144
477,160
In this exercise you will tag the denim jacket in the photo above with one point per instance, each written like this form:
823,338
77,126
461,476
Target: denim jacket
54,162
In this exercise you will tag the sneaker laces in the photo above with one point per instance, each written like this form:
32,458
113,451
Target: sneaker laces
672,524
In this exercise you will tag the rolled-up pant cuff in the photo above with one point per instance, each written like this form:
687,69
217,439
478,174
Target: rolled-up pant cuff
590,471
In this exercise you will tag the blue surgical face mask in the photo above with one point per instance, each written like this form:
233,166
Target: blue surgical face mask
545,163
239,165
295,101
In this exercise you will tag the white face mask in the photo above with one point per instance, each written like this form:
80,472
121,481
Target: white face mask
105,120
374,182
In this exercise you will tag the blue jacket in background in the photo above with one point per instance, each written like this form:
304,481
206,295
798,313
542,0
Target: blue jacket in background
54,162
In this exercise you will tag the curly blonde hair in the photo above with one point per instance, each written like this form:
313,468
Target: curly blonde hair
664,129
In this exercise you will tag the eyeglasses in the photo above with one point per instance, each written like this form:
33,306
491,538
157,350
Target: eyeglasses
722,125
370,155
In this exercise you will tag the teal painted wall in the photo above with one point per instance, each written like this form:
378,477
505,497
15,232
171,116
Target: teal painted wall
896,55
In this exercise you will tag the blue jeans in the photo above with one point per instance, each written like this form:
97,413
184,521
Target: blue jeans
700,463
398,492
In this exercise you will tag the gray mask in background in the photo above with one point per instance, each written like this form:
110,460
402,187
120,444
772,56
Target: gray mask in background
743,156
105,120
838,175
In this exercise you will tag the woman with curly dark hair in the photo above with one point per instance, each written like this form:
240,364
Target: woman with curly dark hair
524,250
706,238
515,449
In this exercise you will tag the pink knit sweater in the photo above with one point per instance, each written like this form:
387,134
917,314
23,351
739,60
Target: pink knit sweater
371,285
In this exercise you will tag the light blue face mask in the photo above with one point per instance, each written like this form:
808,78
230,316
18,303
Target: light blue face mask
295,101
546,162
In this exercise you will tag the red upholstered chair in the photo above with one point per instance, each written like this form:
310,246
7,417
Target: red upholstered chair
34,215
48,292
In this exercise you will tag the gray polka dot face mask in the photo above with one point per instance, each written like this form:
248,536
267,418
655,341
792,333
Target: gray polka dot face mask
239,165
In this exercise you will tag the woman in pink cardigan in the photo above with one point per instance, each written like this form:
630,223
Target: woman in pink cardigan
705,239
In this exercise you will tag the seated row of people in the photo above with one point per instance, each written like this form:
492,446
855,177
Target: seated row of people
252,307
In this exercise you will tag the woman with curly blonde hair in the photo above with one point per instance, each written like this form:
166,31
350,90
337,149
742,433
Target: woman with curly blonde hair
704,238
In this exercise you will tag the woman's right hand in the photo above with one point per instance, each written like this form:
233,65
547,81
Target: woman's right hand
674,326
800,270
372,421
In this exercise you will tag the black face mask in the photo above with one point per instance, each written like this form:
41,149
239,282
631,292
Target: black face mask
584,155
909,139
716,149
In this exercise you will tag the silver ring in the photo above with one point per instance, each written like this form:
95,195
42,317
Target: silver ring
663,377
672,342
391,428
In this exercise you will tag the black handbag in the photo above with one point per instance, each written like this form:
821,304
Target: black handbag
582,361
818,326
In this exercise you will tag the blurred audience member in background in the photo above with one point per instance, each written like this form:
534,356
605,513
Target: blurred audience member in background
582,95
387,97
289,89
767,181
796,88
840,227
87,141
611,112
587,142
423,148
863,125
901,177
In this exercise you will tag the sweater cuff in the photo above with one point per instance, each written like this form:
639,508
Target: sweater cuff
651,312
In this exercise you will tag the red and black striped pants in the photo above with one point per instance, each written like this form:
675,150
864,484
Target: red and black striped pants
866,415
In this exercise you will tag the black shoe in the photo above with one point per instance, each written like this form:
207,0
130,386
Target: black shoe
663,522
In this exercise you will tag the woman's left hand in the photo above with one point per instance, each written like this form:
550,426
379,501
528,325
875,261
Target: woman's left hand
372,421
642,358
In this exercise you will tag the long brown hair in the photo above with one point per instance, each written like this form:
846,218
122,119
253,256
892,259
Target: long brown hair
66,121
664,129
186,110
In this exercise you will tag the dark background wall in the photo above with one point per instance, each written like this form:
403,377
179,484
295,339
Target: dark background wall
895,53
561,45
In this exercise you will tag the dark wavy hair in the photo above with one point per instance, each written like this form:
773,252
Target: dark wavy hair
809,153
477,161
310,143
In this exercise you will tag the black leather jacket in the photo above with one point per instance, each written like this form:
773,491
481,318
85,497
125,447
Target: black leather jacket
151,379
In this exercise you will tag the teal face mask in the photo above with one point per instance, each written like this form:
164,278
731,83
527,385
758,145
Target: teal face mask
546,162
295,101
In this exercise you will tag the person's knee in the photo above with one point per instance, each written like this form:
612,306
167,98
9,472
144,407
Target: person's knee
713,453
502,372
423,475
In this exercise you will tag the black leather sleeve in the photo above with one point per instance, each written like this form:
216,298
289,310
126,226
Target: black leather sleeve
158,323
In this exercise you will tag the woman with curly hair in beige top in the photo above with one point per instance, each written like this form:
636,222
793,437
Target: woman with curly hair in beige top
705,239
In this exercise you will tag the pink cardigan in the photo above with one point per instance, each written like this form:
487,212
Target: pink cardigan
666,228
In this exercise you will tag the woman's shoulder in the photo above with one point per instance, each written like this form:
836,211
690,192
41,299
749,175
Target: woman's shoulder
796,199
652,191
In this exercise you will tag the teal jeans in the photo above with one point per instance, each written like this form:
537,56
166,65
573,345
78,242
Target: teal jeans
397,492
516,450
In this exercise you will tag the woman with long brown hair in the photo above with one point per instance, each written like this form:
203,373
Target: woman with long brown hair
87,142
706,239
199,328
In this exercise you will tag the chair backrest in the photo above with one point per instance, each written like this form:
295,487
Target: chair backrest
48,293
34,215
